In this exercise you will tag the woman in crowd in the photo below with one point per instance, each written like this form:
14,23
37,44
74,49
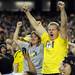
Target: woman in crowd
35,49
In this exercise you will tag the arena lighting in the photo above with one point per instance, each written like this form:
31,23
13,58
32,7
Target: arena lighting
46,6
19,4
0,4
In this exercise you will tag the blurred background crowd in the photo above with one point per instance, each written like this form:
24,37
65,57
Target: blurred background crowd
8,22
43,10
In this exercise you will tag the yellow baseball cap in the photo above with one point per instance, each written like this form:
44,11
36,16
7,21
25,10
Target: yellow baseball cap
27,38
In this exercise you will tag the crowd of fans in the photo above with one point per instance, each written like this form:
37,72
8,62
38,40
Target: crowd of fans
8,25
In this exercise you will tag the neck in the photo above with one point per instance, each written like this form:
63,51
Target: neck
34,45
52,39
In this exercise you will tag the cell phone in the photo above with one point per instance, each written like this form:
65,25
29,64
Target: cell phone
24,50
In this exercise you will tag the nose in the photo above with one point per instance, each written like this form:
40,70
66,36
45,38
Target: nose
51,31
32,38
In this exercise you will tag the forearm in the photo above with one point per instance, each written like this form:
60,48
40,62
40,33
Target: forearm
37,25
63,27
31,19
15,68
16,33
63,18
31,66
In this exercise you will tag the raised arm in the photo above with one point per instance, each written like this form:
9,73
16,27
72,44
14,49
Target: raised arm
16,42
36,24
63,27
19,24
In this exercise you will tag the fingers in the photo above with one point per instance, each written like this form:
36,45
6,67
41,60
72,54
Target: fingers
25,8
60,5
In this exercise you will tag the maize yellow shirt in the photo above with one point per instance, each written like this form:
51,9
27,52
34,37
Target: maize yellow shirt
19,59
53,55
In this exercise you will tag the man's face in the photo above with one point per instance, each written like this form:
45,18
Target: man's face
53,32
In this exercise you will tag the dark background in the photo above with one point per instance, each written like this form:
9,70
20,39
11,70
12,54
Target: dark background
39,5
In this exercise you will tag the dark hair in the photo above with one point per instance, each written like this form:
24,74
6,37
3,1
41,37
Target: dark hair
4,46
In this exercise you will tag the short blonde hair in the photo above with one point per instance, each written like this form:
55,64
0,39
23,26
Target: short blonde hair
53,23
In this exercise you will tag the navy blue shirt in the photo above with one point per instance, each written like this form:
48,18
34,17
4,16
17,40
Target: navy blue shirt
6,64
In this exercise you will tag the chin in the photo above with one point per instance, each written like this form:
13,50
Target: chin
52,38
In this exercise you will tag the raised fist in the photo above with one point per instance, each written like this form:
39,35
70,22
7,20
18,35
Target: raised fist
19,24
60,5
25,8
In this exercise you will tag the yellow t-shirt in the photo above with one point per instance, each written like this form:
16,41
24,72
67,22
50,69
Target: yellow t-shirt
19,60
54,54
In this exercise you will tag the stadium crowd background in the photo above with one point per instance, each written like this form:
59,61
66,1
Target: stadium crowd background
8,22
9,19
